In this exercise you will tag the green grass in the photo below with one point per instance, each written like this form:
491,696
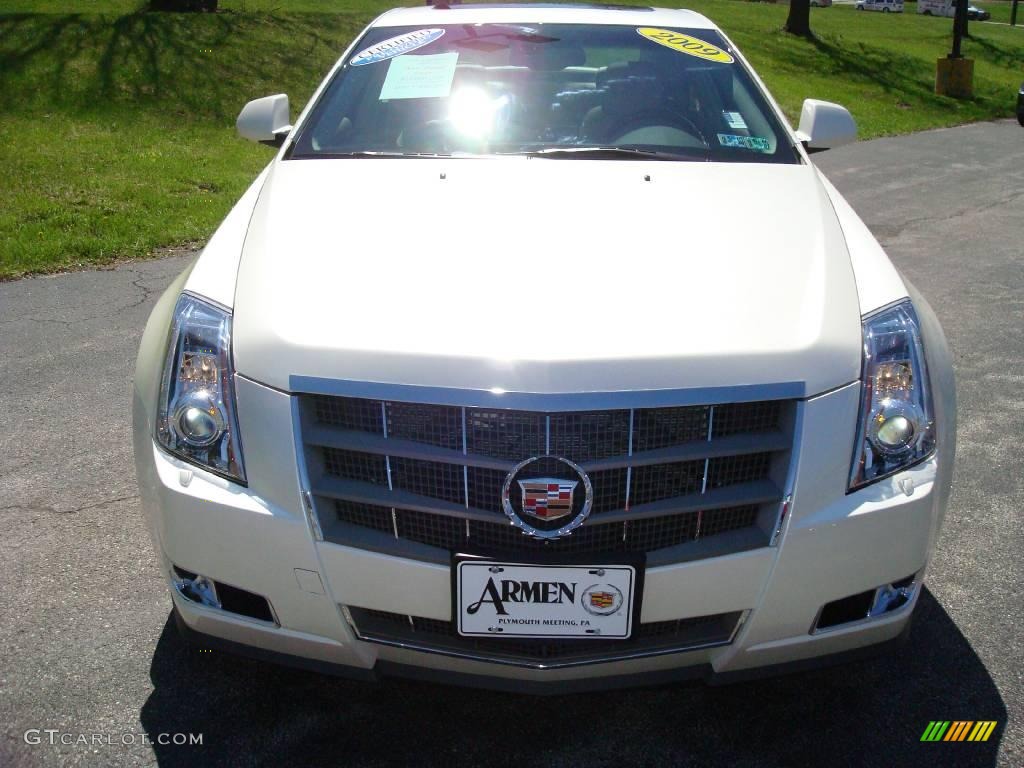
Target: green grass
880,66
117,126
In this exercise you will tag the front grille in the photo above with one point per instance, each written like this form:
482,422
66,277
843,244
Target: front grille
438,636
387,474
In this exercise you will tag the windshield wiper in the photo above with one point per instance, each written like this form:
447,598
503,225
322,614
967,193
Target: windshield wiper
598,153
368,154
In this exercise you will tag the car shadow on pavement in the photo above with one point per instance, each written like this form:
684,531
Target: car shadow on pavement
872,712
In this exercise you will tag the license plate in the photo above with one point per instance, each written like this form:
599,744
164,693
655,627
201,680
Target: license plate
496,599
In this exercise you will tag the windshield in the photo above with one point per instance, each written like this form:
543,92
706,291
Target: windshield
555,90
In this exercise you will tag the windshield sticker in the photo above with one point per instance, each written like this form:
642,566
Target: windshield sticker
396,46
687,44
755,143
419,77
735,121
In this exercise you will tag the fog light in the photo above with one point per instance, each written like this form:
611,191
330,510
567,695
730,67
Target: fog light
889,597
196,588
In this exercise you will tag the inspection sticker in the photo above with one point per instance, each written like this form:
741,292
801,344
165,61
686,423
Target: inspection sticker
735,121
687,44
756,143
419,77
396,46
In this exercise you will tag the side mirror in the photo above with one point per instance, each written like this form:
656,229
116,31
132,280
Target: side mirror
824,125
265,120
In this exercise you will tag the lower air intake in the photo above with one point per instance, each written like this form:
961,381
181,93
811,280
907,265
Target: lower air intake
435,636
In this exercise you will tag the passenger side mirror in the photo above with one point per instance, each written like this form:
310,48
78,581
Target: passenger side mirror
265,120
824,125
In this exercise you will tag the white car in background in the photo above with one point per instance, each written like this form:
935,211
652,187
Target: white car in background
542,356
947,8
885,6
937,7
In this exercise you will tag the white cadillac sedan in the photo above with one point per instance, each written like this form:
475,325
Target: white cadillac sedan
542,356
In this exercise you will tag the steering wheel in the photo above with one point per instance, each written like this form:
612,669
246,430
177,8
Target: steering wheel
430,137
658,118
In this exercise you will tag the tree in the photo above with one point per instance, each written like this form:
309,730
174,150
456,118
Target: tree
799,20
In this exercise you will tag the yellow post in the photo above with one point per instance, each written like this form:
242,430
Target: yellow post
954,77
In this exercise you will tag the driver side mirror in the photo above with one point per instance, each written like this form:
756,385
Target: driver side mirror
265,120
824,125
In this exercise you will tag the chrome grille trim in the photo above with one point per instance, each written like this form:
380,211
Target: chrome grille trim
465,471
412,464
731,445
387,464
758,492
549,402
707,466
629,474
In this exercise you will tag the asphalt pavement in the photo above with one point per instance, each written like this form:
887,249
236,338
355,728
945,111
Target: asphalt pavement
87,650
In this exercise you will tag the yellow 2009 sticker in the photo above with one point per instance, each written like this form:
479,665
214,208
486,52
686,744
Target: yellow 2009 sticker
688,44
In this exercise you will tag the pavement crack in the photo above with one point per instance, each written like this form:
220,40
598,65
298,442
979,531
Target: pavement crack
138,283
72,511
889,232
147,292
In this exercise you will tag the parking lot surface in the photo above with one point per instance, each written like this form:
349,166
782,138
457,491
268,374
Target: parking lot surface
86,646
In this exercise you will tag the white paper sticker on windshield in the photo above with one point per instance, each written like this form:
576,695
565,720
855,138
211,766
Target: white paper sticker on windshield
419,77
395,46
735,121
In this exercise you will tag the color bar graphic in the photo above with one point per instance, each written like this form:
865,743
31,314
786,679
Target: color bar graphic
958,730
935,730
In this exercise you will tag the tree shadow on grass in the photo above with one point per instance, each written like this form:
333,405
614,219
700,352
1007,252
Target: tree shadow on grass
830,61
149,54
879,67
192,65
1003,55
869,713
889,72
23,37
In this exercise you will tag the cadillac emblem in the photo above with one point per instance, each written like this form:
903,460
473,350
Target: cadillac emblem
602,599
547,497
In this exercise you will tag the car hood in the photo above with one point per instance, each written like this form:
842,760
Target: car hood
545,276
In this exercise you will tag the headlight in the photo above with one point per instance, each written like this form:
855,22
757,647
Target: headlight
897,423
197,420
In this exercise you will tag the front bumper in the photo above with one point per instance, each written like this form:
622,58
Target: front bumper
384,669
261,539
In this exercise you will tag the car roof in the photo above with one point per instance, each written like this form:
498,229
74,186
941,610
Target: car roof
543,13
